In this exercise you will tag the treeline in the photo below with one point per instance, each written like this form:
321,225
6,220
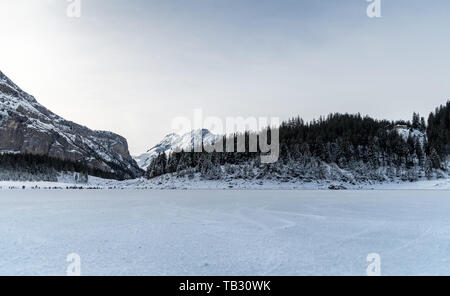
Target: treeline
370,149
438,131
27,167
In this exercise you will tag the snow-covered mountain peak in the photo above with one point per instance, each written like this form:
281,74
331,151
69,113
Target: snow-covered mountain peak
175,142
167,141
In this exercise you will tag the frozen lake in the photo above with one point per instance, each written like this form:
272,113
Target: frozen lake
132,232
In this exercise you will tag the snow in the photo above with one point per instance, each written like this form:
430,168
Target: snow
406,133
173,181
174,142
169,182
145,232
3,152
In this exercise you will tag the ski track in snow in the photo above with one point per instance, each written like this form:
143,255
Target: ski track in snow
139,232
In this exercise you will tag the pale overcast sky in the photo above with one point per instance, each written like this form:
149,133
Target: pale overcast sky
132,66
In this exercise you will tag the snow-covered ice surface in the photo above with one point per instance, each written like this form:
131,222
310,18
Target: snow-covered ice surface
217,232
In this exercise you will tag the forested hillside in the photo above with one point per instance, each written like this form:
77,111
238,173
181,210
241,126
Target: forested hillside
340,147
438,132
27,167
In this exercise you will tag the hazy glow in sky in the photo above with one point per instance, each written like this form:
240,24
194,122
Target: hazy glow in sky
132,66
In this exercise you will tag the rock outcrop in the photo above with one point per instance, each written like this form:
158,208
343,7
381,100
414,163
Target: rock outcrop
27,127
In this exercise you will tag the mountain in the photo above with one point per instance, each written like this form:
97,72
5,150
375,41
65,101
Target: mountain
173,142
28,128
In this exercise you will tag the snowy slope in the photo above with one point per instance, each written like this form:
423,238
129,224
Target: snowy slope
406,133
28,127
173,142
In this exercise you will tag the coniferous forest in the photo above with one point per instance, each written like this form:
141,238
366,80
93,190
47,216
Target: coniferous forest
27,167
340,147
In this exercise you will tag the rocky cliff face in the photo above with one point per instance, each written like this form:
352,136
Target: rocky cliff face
28,127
